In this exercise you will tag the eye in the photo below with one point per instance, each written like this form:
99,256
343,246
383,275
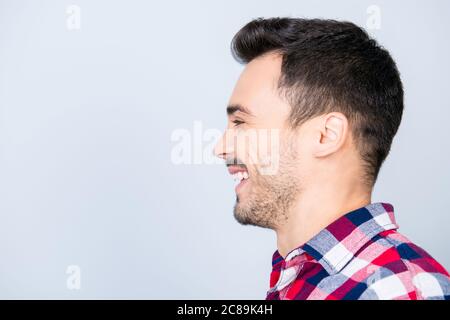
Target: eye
237,122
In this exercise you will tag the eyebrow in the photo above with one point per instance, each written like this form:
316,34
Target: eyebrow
231,109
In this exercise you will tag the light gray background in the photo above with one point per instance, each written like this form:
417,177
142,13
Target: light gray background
86,118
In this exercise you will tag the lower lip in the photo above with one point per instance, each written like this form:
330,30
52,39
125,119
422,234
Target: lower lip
241,185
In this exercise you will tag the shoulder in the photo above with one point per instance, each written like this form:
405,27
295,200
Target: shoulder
399,269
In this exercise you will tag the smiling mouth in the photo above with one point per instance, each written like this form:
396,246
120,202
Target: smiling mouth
240,175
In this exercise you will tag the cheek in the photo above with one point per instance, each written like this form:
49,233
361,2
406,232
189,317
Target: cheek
246,146
261,148
296,145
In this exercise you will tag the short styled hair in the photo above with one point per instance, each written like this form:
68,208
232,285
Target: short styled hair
327,66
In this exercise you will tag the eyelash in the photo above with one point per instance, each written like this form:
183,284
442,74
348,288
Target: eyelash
238,122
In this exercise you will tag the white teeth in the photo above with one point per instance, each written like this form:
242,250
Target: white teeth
239,176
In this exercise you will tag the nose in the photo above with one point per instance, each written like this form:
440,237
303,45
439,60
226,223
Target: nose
223,147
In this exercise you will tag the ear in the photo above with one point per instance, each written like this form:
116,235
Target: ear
333,129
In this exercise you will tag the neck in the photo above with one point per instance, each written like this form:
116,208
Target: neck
315,209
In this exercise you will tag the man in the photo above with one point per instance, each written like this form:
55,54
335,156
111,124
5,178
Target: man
332,100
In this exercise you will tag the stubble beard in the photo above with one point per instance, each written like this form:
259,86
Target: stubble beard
270,198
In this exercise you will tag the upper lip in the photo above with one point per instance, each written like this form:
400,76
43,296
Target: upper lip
235,169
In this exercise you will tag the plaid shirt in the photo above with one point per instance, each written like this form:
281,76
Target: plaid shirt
359,256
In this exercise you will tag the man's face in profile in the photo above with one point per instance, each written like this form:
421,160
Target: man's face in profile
261,149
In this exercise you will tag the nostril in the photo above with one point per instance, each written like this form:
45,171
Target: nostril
223,156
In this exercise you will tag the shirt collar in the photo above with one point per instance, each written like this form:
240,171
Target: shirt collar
337,244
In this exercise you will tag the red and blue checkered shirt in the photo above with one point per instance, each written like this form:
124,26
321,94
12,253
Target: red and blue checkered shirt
359,256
